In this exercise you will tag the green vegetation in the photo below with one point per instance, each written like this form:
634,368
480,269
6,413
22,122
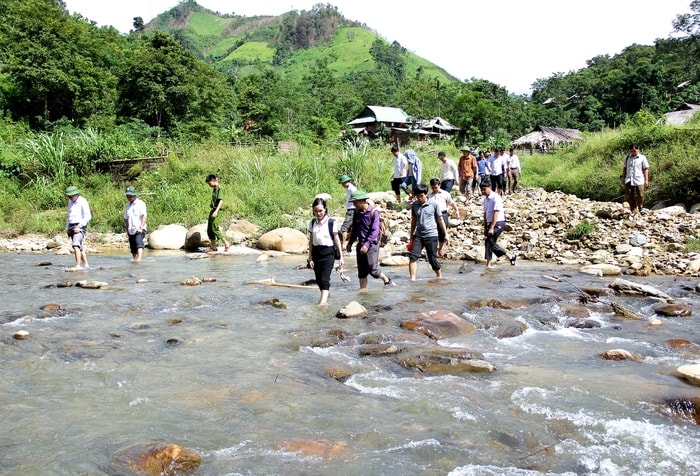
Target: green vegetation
592,168
692,245
74,98
581,231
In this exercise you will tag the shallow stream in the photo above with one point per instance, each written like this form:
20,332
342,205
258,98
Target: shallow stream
235,378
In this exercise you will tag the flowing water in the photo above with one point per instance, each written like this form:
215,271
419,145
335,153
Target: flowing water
237,378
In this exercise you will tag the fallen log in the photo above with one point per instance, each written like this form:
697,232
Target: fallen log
271,282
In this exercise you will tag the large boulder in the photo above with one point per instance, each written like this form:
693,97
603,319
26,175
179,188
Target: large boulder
241,230
679,309
284,239
438,324
167,237
197,237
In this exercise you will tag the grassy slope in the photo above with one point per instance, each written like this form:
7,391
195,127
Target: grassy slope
215,36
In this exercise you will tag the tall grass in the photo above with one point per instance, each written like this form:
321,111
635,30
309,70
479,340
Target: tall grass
274,189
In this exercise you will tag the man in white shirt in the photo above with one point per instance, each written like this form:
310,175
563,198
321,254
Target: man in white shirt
135,222
635,178
449,175
514,171
76,225
494,222
398,183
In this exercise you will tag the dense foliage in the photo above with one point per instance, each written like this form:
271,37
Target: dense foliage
74,96
178,74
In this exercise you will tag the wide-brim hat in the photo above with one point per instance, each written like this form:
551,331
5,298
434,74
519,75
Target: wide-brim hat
344,178
72,190
358,195
130,192
465,147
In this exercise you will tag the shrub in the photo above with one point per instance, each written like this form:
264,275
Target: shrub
583,230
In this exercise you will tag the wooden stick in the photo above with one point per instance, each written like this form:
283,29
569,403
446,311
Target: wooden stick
271,282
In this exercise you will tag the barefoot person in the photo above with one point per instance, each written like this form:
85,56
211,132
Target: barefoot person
135,222
76,225
494,222
323,243
217,200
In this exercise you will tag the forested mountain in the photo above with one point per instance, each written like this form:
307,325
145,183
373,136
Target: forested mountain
193,73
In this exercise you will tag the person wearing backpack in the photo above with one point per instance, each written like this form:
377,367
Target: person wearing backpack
324,248
366,226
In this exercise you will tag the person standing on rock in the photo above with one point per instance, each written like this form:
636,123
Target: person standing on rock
425,220
635,178
135,222
366,230
347,184
323,242
76,225
494,222
217,200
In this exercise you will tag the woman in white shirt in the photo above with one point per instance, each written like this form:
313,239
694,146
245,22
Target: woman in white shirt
324,246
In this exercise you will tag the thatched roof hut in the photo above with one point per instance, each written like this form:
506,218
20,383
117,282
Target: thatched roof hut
547,136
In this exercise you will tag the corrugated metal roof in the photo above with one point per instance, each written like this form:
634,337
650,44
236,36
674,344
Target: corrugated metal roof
380,114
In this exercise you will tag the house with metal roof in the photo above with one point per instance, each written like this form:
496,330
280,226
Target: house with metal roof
682,114
372,116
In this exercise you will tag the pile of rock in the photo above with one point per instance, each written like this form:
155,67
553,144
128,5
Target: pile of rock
652,242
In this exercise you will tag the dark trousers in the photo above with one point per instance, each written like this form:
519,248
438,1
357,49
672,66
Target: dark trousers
323,265
493,248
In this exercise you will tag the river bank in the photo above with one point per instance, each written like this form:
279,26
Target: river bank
654,242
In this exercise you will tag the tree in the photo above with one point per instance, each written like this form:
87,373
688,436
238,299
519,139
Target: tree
56,66
164,85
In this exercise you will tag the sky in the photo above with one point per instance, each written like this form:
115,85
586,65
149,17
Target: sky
509,42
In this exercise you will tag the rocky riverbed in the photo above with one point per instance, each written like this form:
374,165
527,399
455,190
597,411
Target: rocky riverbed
651,243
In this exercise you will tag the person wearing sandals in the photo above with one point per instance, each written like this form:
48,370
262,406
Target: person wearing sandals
217,200
323,243
366,230
494,222
426,220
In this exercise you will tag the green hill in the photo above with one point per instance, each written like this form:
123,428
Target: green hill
283,41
